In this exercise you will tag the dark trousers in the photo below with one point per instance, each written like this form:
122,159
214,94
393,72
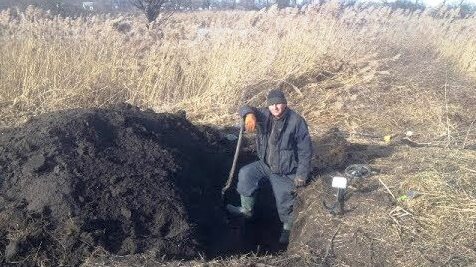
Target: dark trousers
249,179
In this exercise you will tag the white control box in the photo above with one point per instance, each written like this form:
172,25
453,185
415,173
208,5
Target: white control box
339,182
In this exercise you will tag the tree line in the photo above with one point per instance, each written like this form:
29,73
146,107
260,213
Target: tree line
153,8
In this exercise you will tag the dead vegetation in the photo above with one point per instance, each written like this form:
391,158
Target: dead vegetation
370,73
412,213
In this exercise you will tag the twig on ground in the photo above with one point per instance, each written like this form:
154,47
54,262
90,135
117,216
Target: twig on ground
448,133
388,190
395,220
412,143
398,212
470,170
467,134
329,247
294,87
37,251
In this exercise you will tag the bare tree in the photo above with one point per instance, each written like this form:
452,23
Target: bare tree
151,8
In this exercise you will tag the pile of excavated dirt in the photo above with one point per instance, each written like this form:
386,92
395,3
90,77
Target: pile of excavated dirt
122,179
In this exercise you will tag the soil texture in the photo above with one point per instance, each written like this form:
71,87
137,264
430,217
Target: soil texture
122,179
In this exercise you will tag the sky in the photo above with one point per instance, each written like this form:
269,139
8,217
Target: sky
437,2
430,3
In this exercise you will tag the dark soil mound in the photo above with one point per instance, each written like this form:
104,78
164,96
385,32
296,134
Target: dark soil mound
126,180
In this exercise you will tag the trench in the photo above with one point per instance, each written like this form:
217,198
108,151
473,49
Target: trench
225,235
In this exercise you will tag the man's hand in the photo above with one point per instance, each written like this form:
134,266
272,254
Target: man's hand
299,182
250,122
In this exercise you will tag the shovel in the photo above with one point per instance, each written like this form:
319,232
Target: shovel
233,166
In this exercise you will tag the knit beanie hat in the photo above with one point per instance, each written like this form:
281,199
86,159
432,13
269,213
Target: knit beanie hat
276,96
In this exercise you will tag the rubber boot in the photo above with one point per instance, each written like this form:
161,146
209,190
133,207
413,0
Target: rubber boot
284,237
246,209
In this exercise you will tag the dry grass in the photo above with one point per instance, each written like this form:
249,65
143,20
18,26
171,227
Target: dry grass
444,214
365,71
203,61
436,227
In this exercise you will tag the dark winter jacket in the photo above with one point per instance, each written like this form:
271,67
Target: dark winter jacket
293,145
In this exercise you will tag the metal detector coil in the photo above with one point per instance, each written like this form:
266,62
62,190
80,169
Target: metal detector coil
357,171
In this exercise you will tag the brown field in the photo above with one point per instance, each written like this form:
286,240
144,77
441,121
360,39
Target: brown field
370,73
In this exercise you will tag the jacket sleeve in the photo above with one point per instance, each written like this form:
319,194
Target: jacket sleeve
304,150
259,112
245,110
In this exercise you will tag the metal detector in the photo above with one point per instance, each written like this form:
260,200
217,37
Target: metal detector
354,172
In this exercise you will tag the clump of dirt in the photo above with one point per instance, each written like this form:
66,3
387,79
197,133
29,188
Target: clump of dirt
120,178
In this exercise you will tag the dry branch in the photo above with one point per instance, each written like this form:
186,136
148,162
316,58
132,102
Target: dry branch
388,190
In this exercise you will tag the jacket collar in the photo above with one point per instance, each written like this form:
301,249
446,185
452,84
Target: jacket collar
283,116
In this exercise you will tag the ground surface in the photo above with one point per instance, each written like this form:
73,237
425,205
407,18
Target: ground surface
121,187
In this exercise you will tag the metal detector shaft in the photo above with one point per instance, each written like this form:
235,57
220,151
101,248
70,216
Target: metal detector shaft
338,207
340,200
235,159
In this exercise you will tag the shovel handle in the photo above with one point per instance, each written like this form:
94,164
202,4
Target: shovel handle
235,159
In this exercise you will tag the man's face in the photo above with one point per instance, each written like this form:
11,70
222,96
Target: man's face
277,109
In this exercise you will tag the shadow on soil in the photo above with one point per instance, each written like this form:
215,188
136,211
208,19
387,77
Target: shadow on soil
258,235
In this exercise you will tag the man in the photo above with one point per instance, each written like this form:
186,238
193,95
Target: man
284,149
